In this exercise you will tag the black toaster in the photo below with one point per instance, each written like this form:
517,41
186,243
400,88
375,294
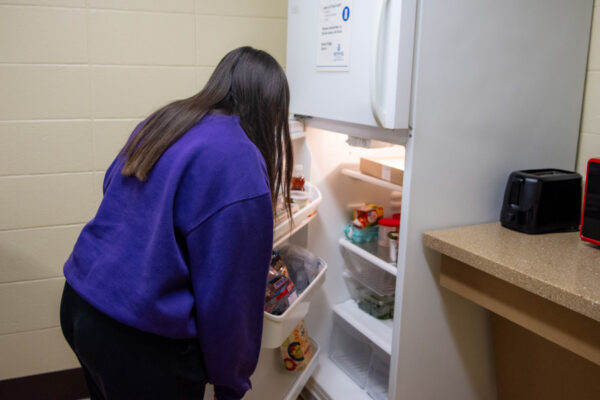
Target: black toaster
542,201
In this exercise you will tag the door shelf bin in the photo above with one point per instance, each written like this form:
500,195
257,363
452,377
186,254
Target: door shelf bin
282,229
276,328
359,358
306,374
369,275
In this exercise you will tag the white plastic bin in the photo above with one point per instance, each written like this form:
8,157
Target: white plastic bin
378,375
350,351
282,230
371,276
276,328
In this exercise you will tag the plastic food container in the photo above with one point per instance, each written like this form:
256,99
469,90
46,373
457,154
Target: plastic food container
300,197
387,225
374,304
369,275
276,328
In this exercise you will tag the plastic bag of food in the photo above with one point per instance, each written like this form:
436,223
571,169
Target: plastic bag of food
302,265
360,235
281,291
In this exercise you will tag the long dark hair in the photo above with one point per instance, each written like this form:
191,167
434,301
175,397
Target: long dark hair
248,83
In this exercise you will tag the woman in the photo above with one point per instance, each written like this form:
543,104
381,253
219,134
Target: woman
165,286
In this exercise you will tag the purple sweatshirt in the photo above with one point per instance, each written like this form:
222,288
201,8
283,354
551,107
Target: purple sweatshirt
186,253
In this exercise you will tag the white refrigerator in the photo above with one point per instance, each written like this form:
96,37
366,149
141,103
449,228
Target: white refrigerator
465,91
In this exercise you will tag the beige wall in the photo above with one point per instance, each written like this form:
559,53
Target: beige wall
75,77
589,140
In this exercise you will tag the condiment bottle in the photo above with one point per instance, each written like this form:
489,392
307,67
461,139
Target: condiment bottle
297,182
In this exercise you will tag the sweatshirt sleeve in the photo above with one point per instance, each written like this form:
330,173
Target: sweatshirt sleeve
229,257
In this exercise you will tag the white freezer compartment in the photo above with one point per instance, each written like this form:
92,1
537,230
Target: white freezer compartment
276,328
372,85
363,361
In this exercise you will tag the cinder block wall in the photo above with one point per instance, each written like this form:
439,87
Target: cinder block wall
75,78
589,139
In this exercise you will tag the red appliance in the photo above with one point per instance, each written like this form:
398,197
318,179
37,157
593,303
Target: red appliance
590,217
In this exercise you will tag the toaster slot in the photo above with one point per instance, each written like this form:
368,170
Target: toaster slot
515,191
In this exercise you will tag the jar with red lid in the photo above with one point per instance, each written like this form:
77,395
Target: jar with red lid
387,225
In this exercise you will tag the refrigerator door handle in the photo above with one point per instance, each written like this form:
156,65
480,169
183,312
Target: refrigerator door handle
378,111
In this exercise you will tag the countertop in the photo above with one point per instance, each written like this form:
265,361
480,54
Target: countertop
559,267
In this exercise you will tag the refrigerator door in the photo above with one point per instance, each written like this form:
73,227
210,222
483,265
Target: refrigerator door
351,60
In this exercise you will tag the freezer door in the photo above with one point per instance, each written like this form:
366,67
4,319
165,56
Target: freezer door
351,60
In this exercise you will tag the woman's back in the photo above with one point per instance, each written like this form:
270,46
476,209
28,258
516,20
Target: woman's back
143,280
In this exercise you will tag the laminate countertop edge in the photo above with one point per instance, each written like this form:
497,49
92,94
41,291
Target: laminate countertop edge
481,247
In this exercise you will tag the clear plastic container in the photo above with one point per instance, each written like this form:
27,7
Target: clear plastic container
381,282
378,375
350,351
361,359
380,307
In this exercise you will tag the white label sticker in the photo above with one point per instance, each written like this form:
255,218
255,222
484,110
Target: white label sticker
386,173
333,49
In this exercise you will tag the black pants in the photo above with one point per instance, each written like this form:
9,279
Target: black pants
121,362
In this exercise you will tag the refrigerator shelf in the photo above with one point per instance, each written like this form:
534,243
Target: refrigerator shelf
301,217
379,332
276,328
355,174
371,252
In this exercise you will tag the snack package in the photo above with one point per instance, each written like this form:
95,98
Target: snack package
281,292
302,265
366,215
296,350
360,235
